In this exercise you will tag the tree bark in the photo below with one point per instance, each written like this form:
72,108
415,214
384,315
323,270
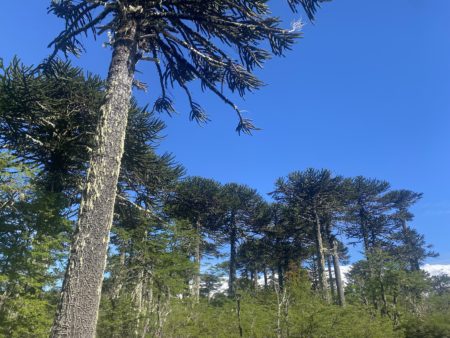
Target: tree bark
323,283
138,300
80,297
330,278
232,276
337,274
197,257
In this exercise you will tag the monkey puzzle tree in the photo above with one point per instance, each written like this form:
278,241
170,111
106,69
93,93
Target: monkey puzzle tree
197,200
244,212
412,248
287,239
366,213
314,196
186,41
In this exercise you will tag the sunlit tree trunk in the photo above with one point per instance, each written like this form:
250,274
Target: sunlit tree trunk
337,274
330,278
323,283
80,298
138,300
197,258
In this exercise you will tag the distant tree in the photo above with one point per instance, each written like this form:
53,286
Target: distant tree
441,284
314,195
197,200
180,39
33,233
243,213
366,217
384,282
412,245
250,258
149,266
287,239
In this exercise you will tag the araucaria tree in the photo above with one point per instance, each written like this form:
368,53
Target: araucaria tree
314,196
197,200
244,212
185,41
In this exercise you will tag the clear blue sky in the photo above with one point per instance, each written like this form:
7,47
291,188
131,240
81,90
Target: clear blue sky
365,92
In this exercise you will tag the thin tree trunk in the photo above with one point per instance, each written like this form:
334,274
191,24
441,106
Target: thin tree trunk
337,274
279,264
273,275
280,275
265,277
197,257
323,283
148,297
232,276
138,300
80,298
330,278
255,279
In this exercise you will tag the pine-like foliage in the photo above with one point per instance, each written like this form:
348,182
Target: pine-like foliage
216,42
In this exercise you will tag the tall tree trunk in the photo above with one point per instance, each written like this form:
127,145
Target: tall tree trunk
197,258
280,253
280,275
118,277
333,245
148,300
232,276
265,277
330,278
323,283
255,278
138,294
337,274
80,298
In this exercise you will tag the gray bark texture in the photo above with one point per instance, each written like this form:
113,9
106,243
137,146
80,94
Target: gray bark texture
330,278
80,297
323,282
337,274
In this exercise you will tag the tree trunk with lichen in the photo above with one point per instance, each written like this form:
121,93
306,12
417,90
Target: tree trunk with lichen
80,297
323,282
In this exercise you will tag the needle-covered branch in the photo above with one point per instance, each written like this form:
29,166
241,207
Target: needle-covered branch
220,40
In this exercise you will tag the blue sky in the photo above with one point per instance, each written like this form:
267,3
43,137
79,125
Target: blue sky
365,92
